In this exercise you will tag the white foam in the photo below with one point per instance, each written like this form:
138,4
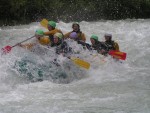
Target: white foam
106,87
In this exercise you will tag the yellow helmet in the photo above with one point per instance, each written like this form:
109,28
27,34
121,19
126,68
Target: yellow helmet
44,40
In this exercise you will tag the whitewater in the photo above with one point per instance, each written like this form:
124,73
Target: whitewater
107,87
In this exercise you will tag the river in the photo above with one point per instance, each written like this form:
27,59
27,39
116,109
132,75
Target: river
105,88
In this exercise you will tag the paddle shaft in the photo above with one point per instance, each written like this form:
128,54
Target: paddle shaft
23,41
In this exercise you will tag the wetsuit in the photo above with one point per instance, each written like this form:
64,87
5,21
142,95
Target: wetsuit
85,45
63,48
111,45
100,46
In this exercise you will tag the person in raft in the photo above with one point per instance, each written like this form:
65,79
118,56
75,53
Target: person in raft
40,39
61,45
52,30
99,46
74,36
110,44
80,34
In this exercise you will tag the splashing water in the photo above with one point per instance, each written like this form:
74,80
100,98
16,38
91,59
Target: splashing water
108,87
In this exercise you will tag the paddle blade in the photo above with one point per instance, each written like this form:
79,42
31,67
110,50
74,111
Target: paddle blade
81,63
44,23
6,49
118,54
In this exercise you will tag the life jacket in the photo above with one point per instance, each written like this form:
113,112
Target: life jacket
99,46
110,45
44,40
51,34
79,35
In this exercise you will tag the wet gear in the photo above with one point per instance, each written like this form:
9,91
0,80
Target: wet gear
44,40
73,35
59,35
76,23
108,35
111,45
64,48
94,37
39,32
52,23
51,34
85,45
80,35
99,46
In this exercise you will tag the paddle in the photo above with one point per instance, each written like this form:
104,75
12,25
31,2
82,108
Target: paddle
44,23
77,61
117,54
80,62
8,48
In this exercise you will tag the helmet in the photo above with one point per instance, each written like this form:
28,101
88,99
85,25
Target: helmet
39,32
108,35
73,35
44,40
94,37
59,35
52,23
75,23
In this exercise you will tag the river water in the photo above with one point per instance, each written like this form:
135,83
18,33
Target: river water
109,87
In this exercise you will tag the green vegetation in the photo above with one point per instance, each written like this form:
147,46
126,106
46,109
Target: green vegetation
25,11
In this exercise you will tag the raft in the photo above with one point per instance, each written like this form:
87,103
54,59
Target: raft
52,70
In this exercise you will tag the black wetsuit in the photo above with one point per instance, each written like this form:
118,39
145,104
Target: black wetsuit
97,46
110,45
63,48
85,45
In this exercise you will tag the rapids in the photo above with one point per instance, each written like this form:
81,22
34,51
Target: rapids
108,87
